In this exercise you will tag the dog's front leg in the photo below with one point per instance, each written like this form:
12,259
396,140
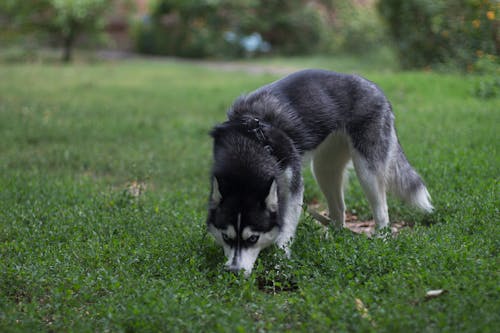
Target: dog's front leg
291,218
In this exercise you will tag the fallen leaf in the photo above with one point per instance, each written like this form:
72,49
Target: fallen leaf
353,223
435,293
363,310
135,188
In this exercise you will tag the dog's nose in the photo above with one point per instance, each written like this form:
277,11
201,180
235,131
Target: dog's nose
238,270
233,269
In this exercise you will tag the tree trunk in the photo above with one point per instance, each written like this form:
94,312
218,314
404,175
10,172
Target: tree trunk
69,38
68,41
496,36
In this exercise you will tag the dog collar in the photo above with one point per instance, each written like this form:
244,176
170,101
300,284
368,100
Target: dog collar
256,128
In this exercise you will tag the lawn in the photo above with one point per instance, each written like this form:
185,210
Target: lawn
103,188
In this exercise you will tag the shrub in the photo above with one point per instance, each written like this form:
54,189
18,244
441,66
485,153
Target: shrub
175,28
357,28
291,27
199,28
428,32
487,88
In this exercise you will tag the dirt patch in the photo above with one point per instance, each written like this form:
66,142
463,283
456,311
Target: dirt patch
368,227
353,223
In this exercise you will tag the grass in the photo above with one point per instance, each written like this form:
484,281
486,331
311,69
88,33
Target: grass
82,250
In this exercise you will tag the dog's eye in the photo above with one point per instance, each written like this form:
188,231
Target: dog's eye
225,237
253,239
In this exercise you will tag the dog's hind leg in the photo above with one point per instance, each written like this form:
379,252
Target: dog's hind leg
373,184
328,166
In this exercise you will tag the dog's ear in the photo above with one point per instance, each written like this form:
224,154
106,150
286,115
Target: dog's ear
215,197
219,130
215,132
272,198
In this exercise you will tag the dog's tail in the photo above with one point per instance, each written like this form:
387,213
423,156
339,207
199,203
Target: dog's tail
405,182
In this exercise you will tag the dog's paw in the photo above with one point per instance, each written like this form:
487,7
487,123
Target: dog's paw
287,251
383,233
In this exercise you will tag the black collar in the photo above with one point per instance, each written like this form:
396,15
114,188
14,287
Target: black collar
258,130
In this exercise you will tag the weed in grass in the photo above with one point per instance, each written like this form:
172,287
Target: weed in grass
487,88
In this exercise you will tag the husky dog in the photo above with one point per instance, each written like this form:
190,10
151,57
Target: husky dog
312,115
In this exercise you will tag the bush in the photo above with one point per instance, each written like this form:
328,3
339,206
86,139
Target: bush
291,27
183,28
357,28
487,88
428,32
200,28
219,28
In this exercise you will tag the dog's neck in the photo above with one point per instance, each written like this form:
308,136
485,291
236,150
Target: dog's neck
257,129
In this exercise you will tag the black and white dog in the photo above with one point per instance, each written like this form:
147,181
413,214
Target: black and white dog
312,115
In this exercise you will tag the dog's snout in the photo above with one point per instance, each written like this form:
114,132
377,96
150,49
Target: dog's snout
233,269
236,269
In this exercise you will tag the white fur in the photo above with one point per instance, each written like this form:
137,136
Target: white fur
231,232
247,233
216,196
291,213
290,221
246,258
272,198
420,197
422,200
217,233
328,166
373,184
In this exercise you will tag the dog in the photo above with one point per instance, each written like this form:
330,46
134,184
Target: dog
316,117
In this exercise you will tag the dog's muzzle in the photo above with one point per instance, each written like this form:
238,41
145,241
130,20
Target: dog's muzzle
242,260
233,268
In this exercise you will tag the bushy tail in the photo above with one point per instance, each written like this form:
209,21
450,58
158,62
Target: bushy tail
405,182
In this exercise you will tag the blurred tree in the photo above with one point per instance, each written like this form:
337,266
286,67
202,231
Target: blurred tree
74,17
65,20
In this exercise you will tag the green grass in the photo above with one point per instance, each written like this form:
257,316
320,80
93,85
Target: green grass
79,252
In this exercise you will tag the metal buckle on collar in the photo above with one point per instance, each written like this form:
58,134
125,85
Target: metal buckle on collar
257,128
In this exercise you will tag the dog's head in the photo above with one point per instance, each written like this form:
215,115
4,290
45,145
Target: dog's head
243,222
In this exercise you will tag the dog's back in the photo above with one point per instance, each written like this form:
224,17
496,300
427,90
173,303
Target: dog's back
313,105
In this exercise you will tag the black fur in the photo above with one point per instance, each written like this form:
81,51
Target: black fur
309,105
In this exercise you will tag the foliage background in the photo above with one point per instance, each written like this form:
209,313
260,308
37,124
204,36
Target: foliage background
52,22
442,34
464,33
291,27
